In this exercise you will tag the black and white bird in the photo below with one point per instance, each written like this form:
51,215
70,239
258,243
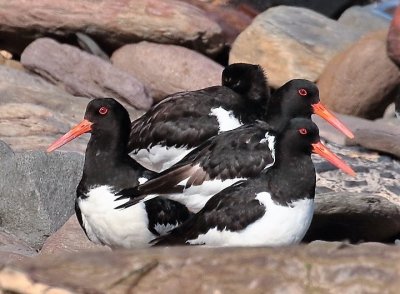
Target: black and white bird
273,209
182,121
235,155
108,168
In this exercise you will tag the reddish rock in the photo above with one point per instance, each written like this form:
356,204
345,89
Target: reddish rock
167,69
291,42
83,74
69,238
360,80
110,22
393,38
13,249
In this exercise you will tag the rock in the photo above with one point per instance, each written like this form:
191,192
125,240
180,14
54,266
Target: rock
38,192
363,19
360,80
167,69
83,74
13,249
69,238
389,111
354,217
322,267
393,38
291,42
34,112
112,23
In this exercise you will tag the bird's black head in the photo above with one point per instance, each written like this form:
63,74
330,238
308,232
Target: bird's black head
301,137
296,98
106,119
246,79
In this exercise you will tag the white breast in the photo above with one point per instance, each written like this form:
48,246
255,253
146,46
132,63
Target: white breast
123,228
226,120
280,226
159,158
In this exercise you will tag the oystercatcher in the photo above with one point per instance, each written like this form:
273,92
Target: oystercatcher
108,168
273,209
235,155
397,105
182,121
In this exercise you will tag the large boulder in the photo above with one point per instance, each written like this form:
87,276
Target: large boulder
83,74
34,112
291,42
167,69
110,22
361,80
37,192
317,268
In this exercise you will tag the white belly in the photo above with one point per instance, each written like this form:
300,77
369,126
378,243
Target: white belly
159,158
280,226
122,228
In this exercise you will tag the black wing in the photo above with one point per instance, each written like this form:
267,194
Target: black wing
180,120
240,153
232,209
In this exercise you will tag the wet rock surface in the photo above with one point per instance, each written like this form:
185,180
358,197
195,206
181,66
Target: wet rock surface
322,267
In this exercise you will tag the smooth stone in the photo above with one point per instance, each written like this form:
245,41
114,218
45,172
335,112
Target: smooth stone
357,217
360,81
167,69
291,42
112,23
12,249
83,74
322,267
34,113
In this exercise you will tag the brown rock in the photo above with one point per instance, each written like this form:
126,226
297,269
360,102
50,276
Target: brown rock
322,268
34,112
69,238
360,80
356,217
110,22
291,42
167,69
13,249
83,74
393,38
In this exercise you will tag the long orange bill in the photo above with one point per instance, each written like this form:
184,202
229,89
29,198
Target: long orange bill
81,128
323,112
322,150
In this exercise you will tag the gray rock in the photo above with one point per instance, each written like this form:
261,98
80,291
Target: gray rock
38,193
34,112
291,42
83,74
363,20
355,217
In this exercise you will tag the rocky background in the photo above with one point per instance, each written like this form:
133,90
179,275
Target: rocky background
56,55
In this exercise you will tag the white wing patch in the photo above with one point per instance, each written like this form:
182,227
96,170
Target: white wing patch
271,145
226,120
279,226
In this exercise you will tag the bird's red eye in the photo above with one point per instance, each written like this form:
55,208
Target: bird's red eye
103,110
303,131
302,92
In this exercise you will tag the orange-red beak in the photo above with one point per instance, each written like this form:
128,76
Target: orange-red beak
81,128
323,112
322,150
